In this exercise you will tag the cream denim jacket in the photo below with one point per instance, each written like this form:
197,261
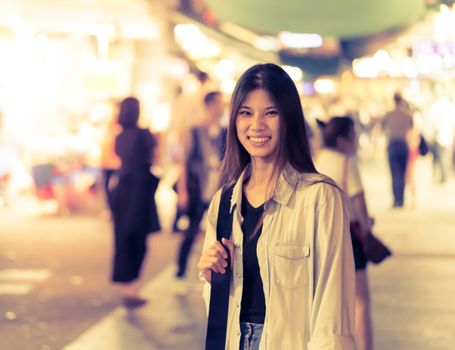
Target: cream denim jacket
306,265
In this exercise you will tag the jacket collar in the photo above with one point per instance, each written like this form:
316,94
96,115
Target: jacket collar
287,182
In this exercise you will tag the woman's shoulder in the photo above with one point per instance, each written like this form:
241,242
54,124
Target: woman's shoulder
147,135
144,131
310,179
317,187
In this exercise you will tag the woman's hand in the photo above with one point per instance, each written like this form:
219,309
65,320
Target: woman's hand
214,258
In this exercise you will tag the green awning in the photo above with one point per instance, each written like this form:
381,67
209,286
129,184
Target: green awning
344,19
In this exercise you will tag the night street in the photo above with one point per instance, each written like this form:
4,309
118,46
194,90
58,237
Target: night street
54,277
117,117
58,292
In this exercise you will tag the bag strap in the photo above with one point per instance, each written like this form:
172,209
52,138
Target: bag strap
220,283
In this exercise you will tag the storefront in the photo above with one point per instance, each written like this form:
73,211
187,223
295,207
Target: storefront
64,65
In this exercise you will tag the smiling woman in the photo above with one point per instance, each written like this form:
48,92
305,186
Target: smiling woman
290,251
258,126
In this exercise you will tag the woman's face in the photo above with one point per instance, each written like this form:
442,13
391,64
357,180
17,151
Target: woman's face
258,126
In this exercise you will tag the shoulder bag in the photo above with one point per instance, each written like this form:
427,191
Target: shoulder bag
374,249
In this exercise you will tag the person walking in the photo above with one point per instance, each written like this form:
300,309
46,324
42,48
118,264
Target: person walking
337,159
292,284
441,117
109,160
396,125
199,177
133,203
414,138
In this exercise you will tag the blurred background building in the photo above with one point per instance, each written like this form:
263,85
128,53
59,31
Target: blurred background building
64,64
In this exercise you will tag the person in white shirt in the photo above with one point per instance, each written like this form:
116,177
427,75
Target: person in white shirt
441,118
396,125
337,160
293,282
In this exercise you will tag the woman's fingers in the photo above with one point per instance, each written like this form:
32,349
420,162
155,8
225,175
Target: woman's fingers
217,250
213,252
230,245
219,247
214,258
207,266
213,263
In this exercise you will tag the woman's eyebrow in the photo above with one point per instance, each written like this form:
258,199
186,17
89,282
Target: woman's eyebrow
270,107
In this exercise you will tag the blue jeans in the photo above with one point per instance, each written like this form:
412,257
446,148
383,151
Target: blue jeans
251,335
398,159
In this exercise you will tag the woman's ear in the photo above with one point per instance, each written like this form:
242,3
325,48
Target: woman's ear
320,123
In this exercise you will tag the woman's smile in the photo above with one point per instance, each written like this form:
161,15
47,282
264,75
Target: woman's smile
259,140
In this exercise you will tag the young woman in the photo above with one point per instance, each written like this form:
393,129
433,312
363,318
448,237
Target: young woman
133,204
336,159
292,284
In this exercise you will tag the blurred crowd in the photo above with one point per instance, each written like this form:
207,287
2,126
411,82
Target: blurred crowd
66,173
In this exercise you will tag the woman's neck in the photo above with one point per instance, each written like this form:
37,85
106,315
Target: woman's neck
263,176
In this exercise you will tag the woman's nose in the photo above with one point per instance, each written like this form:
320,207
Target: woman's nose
257,122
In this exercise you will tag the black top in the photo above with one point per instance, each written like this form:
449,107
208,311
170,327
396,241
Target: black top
135,147
253,301
134,208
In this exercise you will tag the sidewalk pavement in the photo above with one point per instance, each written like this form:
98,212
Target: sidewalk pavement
412,292
166,322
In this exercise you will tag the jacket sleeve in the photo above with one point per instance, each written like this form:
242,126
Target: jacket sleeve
210,237
332,314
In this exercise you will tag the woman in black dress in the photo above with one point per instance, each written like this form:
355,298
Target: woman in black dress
134,209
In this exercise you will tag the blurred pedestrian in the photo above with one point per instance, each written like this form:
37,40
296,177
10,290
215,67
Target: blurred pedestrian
413,143
441,117
292,284
8,160
110,161
134,208
188,110
199,177
337,159
396,125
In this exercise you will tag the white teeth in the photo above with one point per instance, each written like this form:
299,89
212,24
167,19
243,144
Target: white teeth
259,139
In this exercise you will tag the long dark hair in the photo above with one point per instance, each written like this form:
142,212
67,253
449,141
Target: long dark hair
338,126
129,112
293,147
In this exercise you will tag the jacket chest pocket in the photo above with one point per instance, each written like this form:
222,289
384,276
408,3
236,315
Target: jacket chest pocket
291,264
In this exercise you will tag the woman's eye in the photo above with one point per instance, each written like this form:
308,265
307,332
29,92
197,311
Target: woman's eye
244,113
272,113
